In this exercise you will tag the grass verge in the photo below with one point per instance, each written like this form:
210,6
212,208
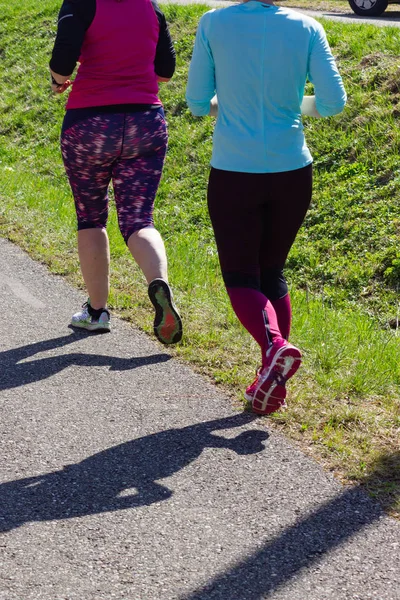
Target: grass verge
344,268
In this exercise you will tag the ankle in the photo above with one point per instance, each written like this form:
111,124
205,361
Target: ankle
269,351
96,312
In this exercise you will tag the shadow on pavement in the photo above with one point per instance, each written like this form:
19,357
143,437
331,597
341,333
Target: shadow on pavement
258,576
14,373
103,482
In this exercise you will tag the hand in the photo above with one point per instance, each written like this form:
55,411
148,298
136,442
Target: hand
214,106
60,89
309,108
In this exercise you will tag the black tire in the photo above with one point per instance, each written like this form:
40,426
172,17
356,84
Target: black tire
369,8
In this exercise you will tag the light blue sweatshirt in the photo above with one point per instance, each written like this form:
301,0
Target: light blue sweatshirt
257,58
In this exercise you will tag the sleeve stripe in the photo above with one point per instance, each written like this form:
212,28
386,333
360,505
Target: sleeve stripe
64,17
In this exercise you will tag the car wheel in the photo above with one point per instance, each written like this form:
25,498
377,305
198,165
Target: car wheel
368,8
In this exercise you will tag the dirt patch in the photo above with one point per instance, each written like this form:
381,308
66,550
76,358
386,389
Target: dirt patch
381,70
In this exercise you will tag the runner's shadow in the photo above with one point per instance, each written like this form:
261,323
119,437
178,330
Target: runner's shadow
260,574
14,373
121,477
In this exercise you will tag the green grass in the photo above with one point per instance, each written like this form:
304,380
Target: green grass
344,270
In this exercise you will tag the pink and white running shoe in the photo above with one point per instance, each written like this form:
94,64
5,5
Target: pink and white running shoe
267,393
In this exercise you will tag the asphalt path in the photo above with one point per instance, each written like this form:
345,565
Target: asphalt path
124,474
389,19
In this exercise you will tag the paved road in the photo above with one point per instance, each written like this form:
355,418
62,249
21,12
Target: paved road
390,19
386,20
126,475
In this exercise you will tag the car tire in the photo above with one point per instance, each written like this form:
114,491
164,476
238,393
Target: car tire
369,8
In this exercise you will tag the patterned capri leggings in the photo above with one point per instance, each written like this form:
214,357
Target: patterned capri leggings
125,148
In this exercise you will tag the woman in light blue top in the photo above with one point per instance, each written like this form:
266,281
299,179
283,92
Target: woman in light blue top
249,68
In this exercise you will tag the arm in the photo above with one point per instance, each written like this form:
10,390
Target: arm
330,95
74,19
200,90
165,59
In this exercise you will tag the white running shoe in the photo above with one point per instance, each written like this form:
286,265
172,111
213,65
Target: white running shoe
92,320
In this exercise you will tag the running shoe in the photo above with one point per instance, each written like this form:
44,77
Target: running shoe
91,319
250,390
167,322
268,391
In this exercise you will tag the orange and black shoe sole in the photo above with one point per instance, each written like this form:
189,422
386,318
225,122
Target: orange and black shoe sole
167,321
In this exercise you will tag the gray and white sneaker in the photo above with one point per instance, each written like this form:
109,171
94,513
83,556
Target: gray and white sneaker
91,319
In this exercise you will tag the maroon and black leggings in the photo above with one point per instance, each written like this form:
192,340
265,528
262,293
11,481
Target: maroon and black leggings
256,217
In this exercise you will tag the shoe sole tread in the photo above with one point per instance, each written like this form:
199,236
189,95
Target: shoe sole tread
167,321
270,395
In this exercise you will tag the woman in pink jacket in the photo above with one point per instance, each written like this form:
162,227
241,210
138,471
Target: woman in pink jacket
114,130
